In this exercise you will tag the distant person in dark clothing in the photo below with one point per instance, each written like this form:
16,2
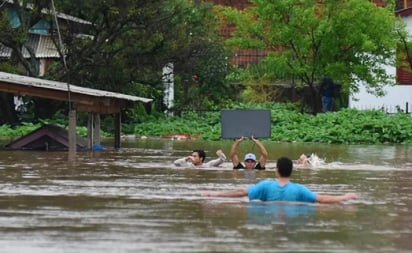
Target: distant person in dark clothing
327,91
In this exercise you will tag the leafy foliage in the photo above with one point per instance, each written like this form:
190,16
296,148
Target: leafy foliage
124,49
131,41
348,40
347,126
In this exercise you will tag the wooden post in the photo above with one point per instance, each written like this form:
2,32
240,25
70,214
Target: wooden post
93,130
117,130
72,134
96,128
90,129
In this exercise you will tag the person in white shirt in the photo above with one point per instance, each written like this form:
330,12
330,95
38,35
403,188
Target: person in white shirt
197,160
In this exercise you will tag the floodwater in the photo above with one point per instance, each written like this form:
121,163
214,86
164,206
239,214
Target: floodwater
134,200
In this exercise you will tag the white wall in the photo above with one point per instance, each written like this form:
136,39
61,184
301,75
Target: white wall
396,96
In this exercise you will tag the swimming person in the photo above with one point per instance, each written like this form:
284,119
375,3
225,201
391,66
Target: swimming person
308,160
197,160
282,189
250,161
304,159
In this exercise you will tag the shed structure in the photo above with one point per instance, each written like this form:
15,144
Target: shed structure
94,102
47,138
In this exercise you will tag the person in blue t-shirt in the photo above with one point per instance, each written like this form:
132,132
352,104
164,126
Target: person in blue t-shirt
282,189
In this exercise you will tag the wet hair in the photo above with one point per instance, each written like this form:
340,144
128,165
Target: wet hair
284,167
202,154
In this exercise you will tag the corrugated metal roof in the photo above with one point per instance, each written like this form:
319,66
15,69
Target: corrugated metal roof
60,86
46,48
42,45
5,52
58,14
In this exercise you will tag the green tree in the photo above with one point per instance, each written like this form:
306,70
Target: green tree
16,20
131,41
127,45
202,68
348,40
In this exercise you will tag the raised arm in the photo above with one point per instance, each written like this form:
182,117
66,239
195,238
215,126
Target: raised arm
263,152
233,152
335,199
221,157
229,194
184,161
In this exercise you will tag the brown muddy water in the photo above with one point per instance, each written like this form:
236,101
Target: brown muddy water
134,200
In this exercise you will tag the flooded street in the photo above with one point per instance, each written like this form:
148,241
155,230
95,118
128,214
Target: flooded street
134,200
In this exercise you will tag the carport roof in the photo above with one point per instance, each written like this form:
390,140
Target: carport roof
84,99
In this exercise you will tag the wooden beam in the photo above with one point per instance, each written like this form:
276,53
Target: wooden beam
82,102
97,108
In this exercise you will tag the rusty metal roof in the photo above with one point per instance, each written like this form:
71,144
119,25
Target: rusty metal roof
83,99
61,86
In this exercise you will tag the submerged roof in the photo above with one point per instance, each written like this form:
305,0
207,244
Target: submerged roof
48,138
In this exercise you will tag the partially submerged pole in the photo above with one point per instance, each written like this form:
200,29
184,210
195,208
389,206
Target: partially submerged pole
72,135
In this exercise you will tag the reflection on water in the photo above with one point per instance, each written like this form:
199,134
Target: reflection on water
266,213
134,200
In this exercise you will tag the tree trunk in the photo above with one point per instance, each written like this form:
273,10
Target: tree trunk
316,100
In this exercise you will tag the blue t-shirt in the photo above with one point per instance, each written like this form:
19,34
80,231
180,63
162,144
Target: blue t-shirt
271,190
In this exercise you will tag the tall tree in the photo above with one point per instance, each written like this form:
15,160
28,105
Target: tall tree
16,19
348,40
131,41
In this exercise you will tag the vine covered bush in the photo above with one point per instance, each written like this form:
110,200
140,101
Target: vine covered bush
347,126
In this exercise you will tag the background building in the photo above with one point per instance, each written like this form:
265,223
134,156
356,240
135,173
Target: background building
398,97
